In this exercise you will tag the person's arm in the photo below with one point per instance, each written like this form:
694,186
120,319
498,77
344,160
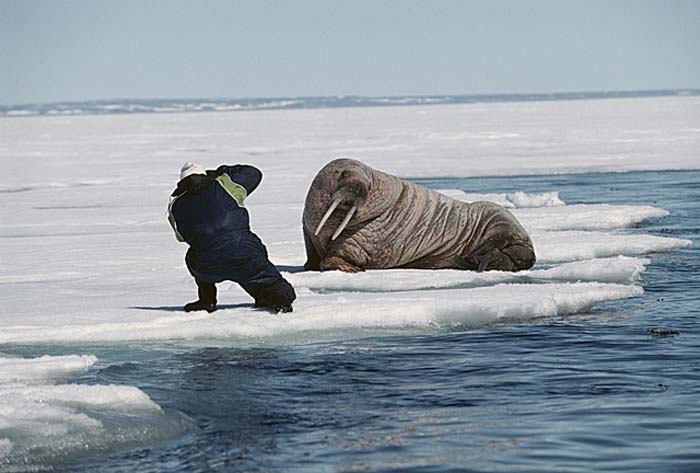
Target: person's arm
171,219
247,176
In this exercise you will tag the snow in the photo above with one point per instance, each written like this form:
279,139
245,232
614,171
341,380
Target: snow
86,253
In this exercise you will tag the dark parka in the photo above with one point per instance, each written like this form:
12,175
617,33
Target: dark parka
207,212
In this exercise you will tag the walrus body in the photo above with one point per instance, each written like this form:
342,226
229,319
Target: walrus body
357,218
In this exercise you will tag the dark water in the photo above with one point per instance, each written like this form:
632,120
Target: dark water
598,391
120,106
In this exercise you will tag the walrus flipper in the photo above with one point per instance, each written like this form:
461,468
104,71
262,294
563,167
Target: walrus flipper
522,254
496,260
514,257
313,260
337,263
503,244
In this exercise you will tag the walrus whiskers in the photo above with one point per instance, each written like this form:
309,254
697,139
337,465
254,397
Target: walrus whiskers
328,213
344,223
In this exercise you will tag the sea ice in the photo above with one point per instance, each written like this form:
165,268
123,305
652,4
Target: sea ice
42,369
557,247
510,201
86,254
40,419
620,270
333,315
586,217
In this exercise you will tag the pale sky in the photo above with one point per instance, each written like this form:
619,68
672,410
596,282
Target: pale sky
99,49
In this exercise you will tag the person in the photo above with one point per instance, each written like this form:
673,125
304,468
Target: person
206,211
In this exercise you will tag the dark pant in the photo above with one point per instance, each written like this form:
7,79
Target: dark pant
207,292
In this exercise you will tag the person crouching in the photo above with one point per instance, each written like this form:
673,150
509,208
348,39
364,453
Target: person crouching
206,211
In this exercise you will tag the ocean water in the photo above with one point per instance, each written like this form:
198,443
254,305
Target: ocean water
612,389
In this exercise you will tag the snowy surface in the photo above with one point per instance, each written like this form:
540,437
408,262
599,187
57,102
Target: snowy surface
86,254
84,243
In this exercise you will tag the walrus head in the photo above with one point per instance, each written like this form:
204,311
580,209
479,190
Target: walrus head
353,184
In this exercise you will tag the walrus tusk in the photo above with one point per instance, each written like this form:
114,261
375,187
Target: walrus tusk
344,223
328,213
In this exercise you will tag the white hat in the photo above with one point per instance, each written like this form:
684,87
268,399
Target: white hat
190,168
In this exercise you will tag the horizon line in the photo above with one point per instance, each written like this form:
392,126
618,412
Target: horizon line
323,101
336,96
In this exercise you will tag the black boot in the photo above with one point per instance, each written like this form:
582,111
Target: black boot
278,296
207,298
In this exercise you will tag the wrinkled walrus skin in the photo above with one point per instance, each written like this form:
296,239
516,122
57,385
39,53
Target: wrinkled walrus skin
390,223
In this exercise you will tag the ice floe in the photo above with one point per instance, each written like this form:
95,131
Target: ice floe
587,217
512,200
43,419
621,270
43,369
557,247
342,315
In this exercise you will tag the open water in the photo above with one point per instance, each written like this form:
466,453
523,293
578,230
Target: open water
616,389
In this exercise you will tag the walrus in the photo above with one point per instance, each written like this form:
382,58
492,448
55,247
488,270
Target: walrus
358,218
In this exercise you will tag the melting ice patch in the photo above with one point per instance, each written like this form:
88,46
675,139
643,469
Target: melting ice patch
620,270
43,369
514,200
557,247
587,217
441,309
43,420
